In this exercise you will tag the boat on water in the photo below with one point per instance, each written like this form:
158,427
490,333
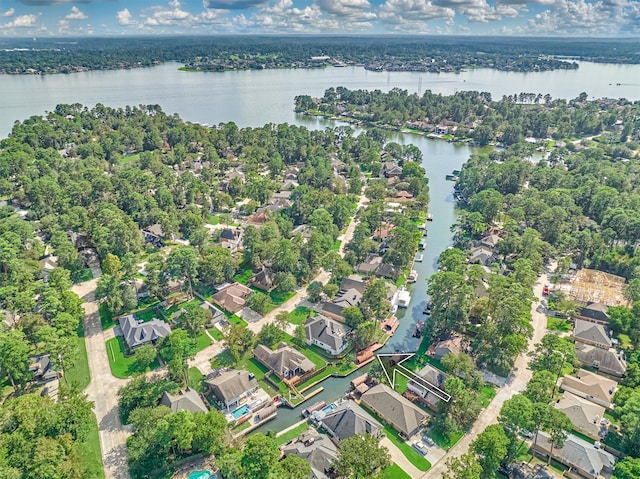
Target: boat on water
427,309
450,177
417,332
419,258
429,217
404,298
422,244
413,276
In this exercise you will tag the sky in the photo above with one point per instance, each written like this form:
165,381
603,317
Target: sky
602,18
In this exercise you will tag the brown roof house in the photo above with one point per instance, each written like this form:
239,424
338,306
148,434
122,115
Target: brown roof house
595,312
187,400
265,279
591,386
402,414
607,361
583,459
327,334
591,333
315,449
232,387
585,416
347,420
232,298
391,168
452,345
285,362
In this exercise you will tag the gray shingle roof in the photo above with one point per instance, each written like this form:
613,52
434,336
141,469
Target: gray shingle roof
405,416
597,311
188,400
327,331
579,453
349,419
588,331
317,450
231,384
607,360
283,358
136,334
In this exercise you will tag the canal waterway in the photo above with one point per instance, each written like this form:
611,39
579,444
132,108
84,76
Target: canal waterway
253,98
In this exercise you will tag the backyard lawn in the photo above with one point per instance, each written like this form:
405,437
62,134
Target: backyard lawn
106,320
292,434
442,441
558,324
393,472
123,366
81,276
203,341
299,315
487,393
280,298
243,276
216,333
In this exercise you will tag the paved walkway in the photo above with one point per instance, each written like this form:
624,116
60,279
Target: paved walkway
400,459
516,384
103,388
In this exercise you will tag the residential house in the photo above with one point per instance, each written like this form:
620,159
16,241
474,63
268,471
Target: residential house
315,449
137,333
591,333
585,416
481,255
442,129
382,233
285,362
187,400
327,334
452,345
258,218
291,173
154,235
233,297
523,470
580,456
430,387
216,314
280,202
224,184
403,196
591,386
231,388
264,279
304,230
287,186
489,241
349,419
387,270
391,169
231,239
402,414
42,368
369,265
47,265
607,361
595,312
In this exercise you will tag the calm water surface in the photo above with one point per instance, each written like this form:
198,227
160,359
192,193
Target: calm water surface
253,98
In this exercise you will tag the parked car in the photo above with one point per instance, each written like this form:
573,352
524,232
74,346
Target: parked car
545,290
428,440
420,447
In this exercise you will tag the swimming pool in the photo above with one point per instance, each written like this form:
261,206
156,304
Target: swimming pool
201,475
241,411
329,408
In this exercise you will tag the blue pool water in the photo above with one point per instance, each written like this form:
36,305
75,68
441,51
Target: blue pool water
329,408
201,475
241,411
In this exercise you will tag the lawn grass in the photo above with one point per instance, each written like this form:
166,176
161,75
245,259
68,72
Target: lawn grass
202,341
213,220
336,245
123,366
129,158
81,276
558,324
292,434
299,315
89,453
106,320
79,374
279,298
487,393
393,472
235,319
216,333
243,276
196,379
443,441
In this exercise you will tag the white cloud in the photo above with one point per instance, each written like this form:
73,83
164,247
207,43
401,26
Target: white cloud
578,17
480,10
413,14
124,17
22,21
164,16
8,13
76,14
349,10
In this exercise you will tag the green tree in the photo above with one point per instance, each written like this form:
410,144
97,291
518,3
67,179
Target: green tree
374,302
142,392
293,467
176,349
463,467
558,425
238,339
314,289
361,457
366,334
627,468
194,319
259,302
145,355
353,316
491,448
14,357
270,335
259,457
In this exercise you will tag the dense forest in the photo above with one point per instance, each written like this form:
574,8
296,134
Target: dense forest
471,115
391,53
